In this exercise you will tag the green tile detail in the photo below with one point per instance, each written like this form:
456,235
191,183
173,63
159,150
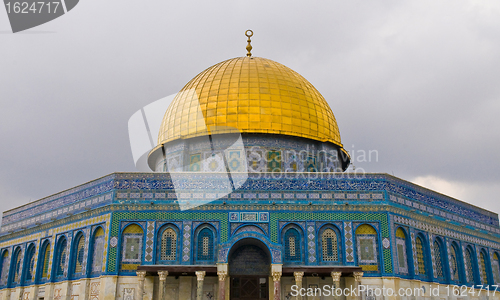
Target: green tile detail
163,216
355,216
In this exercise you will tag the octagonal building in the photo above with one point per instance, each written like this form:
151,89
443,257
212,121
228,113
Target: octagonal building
248,199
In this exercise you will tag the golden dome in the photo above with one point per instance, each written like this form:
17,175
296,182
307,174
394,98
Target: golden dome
253,95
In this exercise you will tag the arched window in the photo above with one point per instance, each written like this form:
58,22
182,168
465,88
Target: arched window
44,260
292,245
366,242
78,253
132,247
439,259
61,257
16,266
205,245
97,251
470,265
402,251
329,246
422,270
30,263
495,267
454,264
482,268
4,267
168,245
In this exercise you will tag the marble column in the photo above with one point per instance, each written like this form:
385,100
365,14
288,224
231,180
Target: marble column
200,276
336,282
357,279
163,278
298,282
141,275
277,284
222,284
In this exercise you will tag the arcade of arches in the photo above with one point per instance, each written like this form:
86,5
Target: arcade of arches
249,275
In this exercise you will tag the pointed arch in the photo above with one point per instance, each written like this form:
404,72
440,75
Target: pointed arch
205,243
78,254
495,267
367,248
421,247
4,267
44,261
15,273
439,256
97,251
402,251
456,264
470,264
132,241
61,257
30,263
168,244
292,242
330,247
483,267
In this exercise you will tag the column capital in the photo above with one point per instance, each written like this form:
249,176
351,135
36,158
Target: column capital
200,275
298,276
357,276
222,275
336,276
141,274
163,275
276,275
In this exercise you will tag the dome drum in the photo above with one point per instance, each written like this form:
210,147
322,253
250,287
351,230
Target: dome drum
256,153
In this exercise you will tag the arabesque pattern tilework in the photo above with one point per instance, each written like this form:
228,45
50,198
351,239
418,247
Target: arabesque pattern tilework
349,244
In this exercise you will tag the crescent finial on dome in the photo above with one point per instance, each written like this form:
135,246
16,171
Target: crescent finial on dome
249,34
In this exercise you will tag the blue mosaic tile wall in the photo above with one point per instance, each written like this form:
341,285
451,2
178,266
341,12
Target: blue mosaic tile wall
125,187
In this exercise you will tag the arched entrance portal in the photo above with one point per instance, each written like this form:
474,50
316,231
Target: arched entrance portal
249,264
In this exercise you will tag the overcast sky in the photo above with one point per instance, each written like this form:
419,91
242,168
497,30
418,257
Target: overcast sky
417,81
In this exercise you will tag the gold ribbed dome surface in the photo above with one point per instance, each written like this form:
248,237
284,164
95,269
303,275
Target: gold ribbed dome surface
253,95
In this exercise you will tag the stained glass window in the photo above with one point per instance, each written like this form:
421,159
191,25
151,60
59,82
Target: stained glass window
79,252
495,266
438,257
61,258
132,247
329,245
98,251
30,258
482,268
470,267
366,240
454,264
17,266
205,245
420,257
292,245
401,250
45,260
168,244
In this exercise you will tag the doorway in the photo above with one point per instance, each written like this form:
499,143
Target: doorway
249,288
249,265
